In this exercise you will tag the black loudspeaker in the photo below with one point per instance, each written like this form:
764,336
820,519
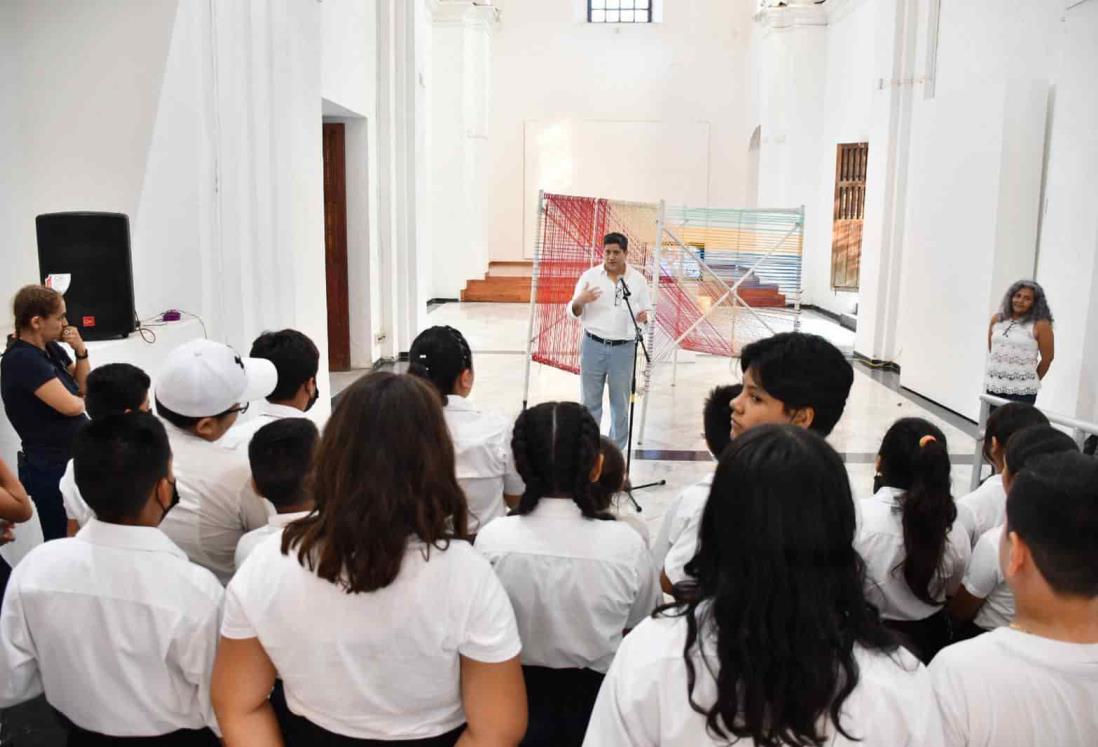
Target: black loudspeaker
94,250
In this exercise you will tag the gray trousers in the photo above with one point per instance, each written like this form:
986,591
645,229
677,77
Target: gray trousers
607,365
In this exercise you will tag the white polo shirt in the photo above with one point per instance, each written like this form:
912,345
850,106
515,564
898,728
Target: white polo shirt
275,524
1007,688
379,665
575,583
608,316
217,505
75,507
117,627
881,545
483,460
983,509
678,539
984,579
644,700
240,435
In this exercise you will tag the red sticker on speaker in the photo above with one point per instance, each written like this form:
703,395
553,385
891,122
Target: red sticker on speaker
89,321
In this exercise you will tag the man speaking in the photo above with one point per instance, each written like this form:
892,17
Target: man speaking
607,350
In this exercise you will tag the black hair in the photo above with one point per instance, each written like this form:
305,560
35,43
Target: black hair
717,417
914,458
1053,506
778,587
281,454
1007,420
1034,441
616,238
114,388
440,355
295,358
555,445
186,422
802,370
118,461
612,478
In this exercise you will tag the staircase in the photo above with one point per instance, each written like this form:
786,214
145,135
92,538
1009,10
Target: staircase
506,282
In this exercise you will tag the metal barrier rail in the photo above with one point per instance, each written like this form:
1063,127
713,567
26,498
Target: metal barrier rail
1079,431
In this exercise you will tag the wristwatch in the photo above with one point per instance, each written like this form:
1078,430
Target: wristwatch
83,357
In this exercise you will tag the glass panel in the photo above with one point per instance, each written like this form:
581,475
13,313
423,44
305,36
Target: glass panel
612,16
627,16
613,4
641,4
598,16
598,4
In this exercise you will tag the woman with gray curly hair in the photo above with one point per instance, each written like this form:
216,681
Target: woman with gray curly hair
1020,343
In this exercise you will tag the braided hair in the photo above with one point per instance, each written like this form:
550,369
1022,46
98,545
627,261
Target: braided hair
556,445
440,355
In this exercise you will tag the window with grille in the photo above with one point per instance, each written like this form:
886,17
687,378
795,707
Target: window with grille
619,11
846,230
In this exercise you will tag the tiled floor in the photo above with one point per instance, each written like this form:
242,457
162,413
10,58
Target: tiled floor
497,334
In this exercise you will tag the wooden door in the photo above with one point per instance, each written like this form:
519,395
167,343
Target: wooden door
846,232
335,248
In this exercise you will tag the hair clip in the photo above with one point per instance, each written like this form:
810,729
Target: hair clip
927,439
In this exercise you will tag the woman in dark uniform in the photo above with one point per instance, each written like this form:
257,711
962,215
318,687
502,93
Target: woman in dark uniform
42,389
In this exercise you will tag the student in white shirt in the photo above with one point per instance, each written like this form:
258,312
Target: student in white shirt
985,601
202,388
280,455
914,549
985,507
482,440
577,578
296,360
678,539
781,646
15,504
112,389
115,625
381,621
609,491
1034,683
601,302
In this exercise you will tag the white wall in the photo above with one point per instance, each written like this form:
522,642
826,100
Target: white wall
549,65
1068,263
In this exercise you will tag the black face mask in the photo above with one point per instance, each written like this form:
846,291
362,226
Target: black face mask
877,482
314,398
174,501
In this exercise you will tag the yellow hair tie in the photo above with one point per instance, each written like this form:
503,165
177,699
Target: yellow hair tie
927,439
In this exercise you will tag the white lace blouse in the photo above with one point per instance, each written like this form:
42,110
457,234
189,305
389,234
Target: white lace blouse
1012,362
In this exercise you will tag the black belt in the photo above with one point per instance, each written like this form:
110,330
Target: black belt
611,343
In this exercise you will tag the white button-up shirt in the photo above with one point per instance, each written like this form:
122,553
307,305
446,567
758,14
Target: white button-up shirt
483,459
275,525
983,509
677,542
117,627
881,545
608,316
240,435
644,700
379,665
217,505
1008,688
576,583
984,579
75,507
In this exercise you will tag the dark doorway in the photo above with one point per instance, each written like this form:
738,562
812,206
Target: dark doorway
335,248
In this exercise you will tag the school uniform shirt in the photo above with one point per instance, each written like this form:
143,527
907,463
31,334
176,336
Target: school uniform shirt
217,505
608,316
881,545
275,525
983,509
117,627
677,542
1008,688
378,665
483,460
75,507
240,435
575,583
984,579
644,700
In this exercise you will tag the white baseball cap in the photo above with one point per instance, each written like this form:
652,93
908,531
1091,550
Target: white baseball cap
202,378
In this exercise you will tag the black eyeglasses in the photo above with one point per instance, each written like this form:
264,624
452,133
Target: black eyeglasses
239,409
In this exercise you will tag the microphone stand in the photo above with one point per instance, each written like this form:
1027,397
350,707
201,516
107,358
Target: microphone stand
638,342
